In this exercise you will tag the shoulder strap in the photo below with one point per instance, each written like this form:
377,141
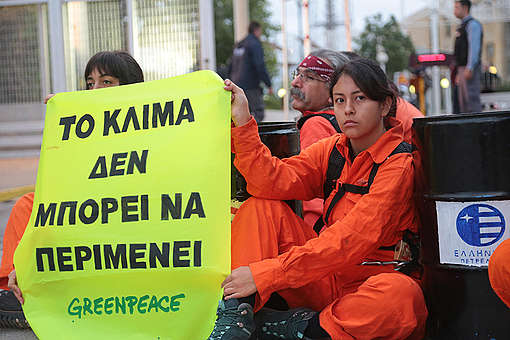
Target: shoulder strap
333,175
329,117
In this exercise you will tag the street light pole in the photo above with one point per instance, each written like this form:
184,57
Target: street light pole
347,23
285,62
434,31
306,29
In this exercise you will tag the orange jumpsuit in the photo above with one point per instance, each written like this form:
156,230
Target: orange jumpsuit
499,271
14,230
324,273
317,128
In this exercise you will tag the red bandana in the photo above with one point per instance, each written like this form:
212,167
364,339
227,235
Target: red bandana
318,65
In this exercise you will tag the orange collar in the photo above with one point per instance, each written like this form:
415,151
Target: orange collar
383,147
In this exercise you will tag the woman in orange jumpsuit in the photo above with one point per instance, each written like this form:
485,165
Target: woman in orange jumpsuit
326,279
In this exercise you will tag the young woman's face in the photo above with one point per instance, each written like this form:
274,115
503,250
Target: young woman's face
98,80
359,117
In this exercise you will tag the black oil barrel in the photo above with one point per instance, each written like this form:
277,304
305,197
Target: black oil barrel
464,196
282,138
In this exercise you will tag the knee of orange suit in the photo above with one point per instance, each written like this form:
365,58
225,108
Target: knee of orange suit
499,271
386,306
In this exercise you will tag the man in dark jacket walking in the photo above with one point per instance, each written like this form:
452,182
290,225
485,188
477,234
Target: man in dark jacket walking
247,69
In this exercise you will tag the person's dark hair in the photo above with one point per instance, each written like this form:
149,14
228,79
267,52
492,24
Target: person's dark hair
254,25
118,64
465,3
370,79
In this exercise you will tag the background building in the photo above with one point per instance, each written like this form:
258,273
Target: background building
45,44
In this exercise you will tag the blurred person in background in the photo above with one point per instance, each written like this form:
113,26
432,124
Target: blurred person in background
247,69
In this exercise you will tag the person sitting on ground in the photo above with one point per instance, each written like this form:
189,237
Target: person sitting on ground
310,96
339,283
104,69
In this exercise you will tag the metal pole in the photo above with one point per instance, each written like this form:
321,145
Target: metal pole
57,55
241,19
300,28
207,46
285,62
306,29
436,90
129,27
347,23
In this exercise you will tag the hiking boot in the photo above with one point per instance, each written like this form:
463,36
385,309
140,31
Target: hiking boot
291,324
234,321
11,314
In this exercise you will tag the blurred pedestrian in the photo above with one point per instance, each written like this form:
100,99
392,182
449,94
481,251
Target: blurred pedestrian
468,53
248,70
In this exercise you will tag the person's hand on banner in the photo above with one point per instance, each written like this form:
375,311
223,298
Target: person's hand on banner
239,283
239,103
48,97
13,286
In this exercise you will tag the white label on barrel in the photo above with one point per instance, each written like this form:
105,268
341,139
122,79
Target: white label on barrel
469,232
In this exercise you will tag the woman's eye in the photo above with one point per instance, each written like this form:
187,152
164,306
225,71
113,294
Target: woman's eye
107,82
339,100
90,85
359,98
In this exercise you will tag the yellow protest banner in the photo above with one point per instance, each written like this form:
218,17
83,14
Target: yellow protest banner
129,236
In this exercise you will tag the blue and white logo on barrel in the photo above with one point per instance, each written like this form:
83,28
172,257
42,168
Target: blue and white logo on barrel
480,225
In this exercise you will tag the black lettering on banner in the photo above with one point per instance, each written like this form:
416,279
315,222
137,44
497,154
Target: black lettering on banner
162,256
97,256
108,205
101,166
62,258
94,213
67,122
110,121
135,254
185,106
81,254
144,209
127,207
180,252
197,253
39,252
145,119
43,215
85,118
168,206
118,160
72,212
196,201
166,114
131,117
119,256
140,163
113,258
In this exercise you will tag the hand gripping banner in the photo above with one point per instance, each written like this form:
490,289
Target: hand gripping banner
129,236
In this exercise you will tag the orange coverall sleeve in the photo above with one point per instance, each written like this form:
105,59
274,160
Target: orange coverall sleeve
377,217
299,177
16,225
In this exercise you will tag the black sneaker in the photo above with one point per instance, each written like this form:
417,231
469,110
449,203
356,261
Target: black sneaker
291,324
234,321
11,313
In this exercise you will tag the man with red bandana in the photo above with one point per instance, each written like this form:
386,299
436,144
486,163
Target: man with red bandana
310,96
